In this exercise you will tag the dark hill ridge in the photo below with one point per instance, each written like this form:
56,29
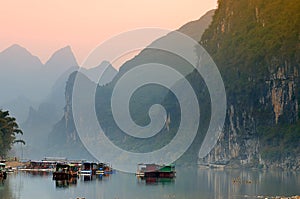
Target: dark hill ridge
28,78
42,123
61,61
34,92
24,56
63,140
16,62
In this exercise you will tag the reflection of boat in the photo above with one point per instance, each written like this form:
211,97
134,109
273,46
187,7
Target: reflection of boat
151,180
86,177
38,173
3,173
65,183
156,171
65,171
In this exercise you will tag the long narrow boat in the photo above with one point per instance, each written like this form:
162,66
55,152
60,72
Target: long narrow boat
40,165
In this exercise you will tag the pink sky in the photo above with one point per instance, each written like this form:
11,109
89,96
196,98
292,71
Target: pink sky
45,26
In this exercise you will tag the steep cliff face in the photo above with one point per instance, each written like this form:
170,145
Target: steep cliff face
256,46
63,140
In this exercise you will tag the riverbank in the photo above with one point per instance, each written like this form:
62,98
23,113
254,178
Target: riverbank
14,164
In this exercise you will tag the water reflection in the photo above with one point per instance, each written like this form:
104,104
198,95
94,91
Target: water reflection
100,177
38,173
66,183
155,181
237,183
86,178
2,181
103,177
5,189
190,183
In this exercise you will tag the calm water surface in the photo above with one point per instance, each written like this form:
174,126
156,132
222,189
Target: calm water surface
190,183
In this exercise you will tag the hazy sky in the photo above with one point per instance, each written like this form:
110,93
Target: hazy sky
45,26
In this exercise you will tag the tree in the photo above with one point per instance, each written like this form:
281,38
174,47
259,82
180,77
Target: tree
8,131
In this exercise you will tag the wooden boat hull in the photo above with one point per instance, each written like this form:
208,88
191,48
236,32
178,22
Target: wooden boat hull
158,174
156,171
159,180
37,170
64,176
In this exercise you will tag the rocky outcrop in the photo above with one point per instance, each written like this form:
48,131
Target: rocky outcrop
261,75
63,140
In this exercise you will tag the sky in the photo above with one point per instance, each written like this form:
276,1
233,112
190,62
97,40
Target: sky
43,27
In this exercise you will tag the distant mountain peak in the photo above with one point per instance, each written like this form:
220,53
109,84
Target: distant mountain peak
63,57
17,47
17,50
104,70
194,29
17,56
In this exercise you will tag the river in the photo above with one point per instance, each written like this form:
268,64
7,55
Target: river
190,183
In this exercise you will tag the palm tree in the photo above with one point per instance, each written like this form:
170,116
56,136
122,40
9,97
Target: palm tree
8,131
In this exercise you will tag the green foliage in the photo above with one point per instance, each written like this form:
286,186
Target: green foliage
246,35
280,141
8,130
244,39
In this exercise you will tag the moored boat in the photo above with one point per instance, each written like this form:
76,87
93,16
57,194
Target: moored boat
88,168
156,171
43,165
141,170
65,171
103,168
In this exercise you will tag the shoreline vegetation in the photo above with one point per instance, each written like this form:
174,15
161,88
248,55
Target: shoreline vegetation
9,130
